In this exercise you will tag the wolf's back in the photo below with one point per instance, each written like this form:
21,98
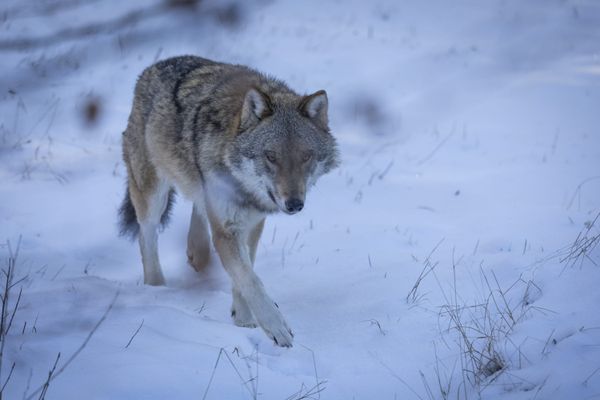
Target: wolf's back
163,79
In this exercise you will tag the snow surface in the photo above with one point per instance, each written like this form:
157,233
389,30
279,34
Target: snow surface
469,135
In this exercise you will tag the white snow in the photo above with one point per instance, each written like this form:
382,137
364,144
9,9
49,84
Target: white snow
469,136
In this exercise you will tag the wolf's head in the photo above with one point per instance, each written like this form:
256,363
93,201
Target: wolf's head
282,147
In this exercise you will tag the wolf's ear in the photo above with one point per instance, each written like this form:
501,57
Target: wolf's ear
315,106
257,106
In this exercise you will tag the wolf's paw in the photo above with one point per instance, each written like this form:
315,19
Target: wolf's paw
243,317
274,325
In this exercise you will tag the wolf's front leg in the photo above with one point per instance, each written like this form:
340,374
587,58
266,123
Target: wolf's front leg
234,254
241,313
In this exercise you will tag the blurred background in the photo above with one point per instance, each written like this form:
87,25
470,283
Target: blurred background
471,172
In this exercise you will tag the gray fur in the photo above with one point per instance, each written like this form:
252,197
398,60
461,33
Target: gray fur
240,145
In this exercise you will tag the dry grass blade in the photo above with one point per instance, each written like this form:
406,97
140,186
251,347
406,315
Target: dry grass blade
482,334
12,368
374,322
8,311
318,383
134,334
245,382
391,371
585,382
583,246
46,385
308,392
577,192
428,266
436,148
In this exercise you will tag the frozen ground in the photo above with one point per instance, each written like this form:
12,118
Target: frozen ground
471,158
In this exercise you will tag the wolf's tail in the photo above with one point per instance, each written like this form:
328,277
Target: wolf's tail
128,223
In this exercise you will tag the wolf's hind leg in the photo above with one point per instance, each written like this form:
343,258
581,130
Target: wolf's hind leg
198,243
150,205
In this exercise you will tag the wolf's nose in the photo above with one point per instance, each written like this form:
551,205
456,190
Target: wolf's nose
294,205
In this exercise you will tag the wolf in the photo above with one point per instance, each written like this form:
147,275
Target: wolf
237,143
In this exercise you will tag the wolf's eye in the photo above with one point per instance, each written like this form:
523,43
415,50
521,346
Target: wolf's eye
270,156
307,157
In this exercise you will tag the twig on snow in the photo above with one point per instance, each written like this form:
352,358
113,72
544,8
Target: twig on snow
134,334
